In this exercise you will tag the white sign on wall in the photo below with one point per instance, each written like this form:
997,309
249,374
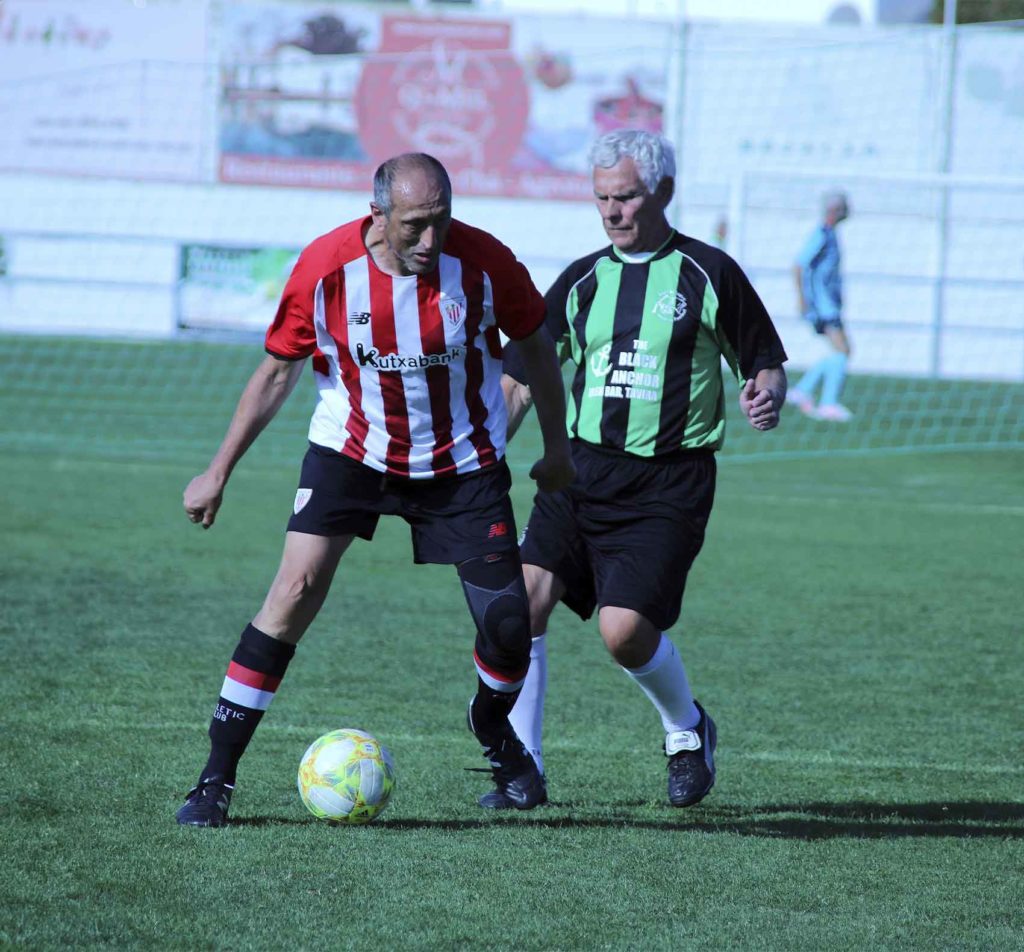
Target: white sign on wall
106,87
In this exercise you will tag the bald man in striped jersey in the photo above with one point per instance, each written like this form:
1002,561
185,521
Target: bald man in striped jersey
647,322
400,313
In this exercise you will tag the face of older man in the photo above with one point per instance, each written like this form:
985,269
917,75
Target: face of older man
413,233
633,218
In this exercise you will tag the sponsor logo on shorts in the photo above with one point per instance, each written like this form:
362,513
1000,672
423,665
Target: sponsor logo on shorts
302,496
497,530
522,536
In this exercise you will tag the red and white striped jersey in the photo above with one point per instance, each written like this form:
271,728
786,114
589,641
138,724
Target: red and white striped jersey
408,369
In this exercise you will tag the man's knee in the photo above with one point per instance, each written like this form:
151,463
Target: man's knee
629,637
496,596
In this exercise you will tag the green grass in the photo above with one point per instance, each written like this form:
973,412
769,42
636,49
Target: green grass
853,624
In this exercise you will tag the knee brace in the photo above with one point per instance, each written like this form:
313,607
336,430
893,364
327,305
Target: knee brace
496,595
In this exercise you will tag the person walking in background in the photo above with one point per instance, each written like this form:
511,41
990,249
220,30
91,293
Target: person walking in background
400,312
647,320
819,286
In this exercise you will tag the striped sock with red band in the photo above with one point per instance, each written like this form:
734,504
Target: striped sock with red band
255,671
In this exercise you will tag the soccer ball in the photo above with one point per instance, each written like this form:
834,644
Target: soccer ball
346,776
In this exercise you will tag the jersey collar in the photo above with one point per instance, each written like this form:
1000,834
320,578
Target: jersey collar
644,256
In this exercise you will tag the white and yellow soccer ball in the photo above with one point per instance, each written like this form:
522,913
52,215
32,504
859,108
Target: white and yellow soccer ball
346,776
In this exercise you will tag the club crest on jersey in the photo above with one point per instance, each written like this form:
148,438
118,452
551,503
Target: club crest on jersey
454,310
670,306
302,496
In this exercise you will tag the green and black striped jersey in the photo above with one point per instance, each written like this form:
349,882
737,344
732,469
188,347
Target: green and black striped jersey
648,338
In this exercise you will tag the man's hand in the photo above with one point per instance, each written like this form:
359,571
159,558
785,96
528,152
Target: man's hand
202,498
553,472
760,407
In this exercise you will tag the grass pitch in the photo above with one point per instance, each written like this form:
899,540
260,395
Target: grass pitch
853,625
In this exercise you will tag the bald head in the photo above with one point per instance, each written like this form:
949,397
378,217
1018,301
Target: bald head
405,167
411,212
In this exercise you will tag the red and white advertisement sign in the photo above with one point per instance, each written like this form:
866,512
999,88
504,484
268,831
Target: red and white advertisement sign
317,96
456,92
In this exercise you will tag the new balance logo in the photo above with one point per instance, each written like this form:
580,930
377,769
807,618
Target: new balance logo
374,358
359,317
497,530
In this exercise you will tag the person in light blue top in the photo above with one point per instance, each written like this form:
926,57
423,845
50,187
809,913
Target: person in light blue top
819,285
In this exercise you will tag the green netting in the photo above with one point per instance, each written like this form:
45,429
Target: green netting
173,400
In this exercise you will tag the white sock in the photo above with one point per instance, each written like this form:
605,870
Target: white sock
663,680
528,715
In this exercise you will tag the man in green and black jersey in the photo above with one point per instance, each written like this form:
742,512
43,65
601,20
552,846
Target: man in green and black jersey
647,322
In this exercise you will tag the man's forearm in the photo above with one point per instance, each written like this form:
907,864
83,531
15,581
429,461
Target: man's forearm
264,394
772,379
546,389
518,401
798,277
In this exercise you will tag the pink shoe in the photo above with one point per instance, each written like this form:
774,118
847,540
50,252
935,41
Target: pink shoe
801,401
834,412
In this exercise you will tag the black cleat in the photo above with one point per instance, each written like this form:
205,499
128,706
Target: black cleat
499,800
206,803
518,784
691,762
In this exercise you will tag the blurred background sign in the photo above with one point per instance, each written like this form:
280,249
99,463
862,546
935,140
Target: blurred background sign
317,96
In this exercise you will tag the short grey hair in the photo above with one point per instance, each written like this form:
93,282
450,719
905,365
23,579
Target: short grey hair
832,198
653,154
387,172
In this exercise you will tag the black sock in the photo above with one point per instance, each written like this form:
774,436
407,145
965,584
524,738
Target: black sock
491,709
256,669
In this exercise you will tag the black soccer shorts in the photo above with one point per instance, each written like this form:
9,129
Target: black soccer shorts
625,533
451,519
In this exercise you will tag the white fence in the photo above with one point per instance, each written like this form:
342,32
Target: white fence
115,152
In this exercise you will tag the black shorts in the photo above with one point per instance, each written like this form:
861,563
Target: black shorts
625,533
452,519
821,324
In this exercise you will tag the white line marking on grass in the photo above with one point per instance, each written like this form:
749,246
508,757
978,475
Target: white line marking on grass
827,760
883,498
802,758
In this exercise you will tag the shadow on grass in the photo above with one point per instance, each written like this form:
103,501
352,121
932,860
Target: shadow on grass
798,821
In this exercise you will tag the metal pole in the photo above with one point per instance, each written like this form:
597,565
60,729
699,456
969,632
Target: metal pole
949,38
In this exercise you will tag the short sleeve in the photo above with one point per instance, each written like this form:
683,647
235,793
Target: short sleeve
812,248
292,334
745,324
555,320
518,306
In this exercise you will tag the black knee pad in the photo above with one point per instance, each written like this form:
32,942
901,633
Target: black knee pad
496,595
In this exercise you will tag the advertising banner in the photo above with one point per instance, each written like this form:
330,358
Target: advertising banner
233,289
106,87
317,96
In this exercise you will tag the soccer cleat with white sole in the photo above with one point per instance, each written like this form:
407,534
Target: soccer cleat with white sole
691,762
